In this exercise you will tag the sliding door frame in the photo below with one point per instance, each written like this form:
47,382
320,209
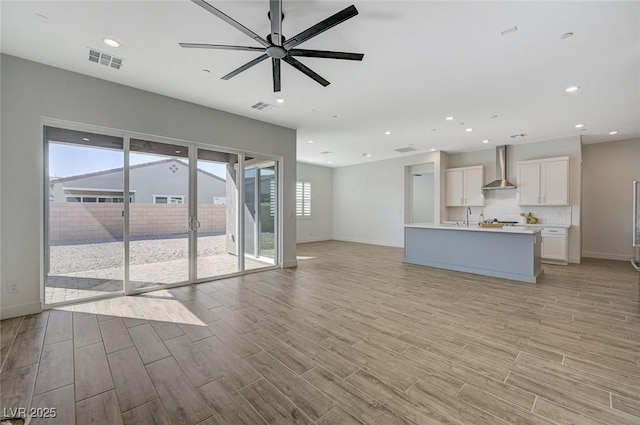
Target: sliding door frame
193,208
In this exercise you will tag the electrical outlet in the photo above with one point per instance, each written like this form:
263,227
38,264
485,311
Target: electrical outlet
13,288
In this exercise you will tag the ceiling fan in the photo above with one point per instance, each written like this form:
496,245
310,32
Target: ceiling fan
276,46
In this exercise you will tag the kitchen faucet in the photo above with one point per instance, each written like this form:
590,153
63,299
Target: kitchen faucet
468,214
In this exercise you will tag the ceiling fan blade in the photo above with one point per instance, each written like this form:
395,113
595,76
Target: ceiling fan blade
275,15
229,20
305,70
220,47
245,67
326,54
275,64
321,27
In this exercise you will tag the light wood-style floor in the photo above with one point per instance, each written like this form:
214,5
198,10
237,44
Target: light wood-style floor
351,336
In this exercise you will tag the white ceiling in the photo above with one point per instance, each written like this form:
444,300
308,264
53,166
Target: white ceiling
423,61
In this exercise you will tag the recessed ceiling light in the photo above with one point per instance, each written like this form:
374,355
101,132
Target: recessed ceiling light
433,149
366,155
566,35
280,100
572,89
111,42
450,118
309,141
86,139
387,133
468,130
486,141
614,132
579,125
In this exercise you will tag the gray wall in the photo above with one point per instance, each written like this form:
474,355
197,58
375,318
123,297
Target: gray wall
607,172
31,91
319,226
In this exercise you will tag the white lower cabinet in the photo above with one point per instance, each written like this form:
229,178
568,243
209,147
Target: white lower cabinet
555,245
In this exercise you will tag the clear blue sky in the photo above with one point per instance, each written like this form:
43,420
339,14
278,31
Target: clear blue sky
69,160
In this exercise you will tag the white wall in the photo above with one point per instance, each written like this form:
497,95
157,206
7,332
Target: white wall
369,199
607,172
504,203
319,226
422,198
31,91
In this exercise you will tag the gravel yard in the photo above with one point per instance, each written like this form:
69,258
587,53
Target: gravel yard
107,255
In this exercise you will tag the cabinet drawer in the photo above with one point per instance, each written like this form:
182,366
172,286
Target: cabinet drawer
560,231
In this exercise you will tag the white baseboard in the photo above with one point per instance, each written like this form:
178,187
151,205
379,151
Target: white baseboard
20,310
607,256
575,260
371,242
288,264
322,239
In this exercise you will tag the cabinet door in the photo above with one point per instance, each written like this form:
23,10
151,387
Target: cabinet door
473,182
528,184
555,183
554,247
455,195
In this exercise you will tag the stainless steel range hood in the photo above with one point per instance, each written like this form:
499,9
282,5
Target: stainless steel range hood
501,181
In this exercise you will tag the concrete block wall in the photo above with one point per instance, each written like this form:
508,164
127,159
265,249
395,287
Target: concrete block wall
85,222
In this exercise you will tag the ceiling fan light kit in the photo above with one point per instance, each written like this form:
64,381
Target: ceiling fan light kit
276,46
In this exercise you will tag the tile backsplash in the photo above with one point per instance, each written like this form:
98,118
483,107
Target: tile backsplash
503,205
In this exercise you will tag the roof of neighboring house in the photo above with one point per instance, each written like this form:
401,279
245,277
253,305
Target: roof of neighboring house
119,170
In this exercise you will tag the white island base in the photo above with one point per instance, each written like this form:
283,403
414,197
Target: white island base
509,253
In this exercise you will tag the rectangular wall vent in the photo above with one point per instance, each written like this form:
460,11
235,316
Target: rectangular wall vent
263,106
96,56
518,136
405,150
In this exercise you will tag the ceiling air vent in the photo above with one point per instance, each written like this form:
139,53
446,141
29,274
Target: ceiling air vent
96,56
325,152
405,150
518,136
263,106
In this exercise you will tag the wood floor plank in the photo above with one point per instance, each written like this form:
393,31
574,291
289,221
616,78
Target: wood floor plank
115,335
291,358
62,400
560,414
166,330
338,416
236,371
195,332
152,413
133,385
26,349
273,406
306,397
228,405
352,399
198,368
86,331
148,343
8,331
238,343
99,409
183,403
16,386
56,367
59,327
92,374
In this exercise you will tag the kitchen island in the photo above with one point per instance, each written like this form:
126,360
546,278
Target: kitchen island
508,252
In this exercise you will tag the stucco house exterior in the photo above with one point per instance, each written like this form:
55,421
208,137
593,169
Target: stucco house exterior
159,182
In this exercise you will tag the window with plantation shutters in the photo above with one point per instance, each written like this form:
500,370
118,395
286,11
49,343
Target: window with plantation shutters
303,199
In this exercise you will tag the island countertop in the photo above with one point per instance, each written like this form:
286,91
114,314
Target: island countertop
522,229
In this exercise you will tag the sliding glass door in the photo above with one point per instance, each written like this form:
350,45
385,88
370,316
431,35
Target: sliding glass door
84,228
126,214
158,214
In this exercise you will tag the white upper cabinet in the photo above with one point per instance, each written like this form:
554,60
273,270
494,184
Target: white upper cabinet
543,181
464,186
